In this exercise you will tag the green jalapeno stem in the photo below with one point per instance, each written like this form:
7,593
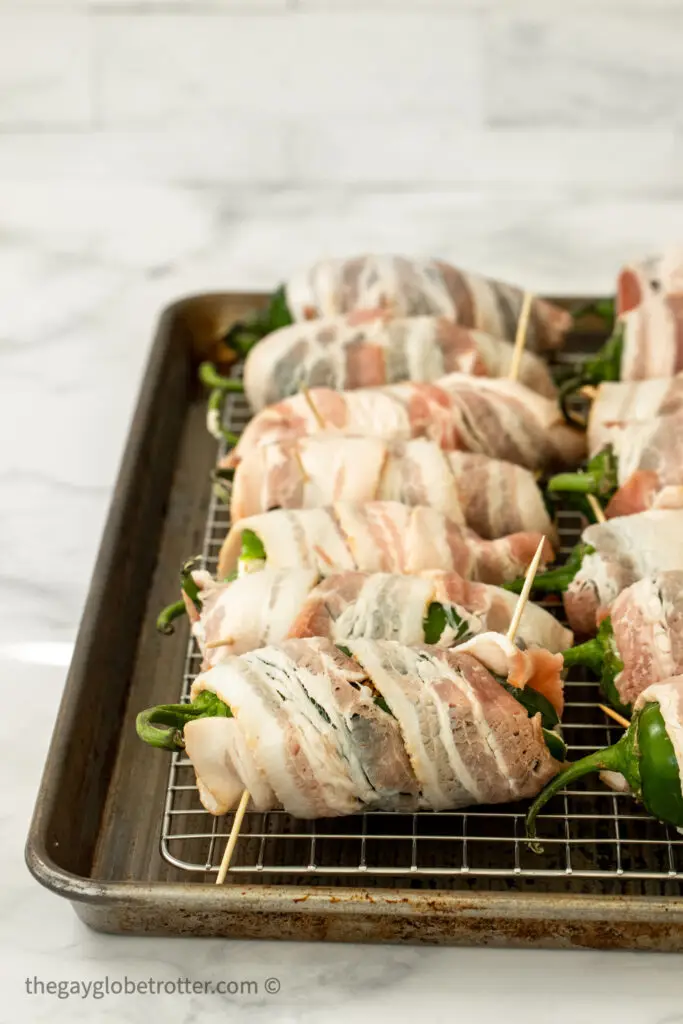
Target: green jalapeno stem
605,365
173,718
243,335
252,547
174,611
188,584
215,381
617,758
644,755
214,418
167,615
599,476
553,580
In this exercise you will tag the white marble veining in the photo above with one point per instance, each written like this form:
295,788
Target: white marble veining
592,70
151,148
177,68
44,69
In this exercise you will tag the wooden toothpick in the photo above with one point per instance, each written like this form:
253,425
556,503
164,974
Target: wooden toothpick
596,508
520,336
311,405
228,642
526,590
300,463
615,715
234,835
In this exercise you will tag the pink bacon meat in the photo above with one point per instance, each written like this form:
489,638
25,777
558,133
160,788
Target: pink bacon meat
618,403
269,606
415,287
370,348
650,306
498,418
650,465
380,536
647,621
625,550
492,497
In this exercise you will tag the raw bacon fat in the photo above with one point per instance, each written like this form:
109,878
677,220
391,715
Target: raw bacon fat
380,536
275,604
647,620
650,465
393,728
618,403
493,497
406,287
257,609
499,418
627,549
650,305
370,348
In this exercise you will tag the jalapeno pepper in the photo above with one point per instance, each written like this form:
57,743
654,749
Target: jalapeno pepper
245,333
173,611
220,386
601,656
438,618
174,717
644,755
554,580
252,547
605,365
598,478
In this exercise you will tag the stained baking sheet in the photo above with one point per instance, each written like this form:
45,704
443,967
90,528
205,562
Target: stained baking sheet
140,857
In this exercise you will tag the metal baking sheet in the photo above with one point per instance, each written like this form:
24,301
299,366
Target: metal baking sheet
141,855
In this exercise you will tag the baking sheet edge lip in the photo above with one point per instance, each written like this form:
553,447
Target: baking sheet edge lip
297,899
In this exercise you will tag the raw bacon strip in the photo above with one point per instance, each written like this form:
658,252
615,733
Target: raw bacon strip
380,536
650,305
498,497
647,622
498,418
467,741
621,402
390,728
626,549
371,348
418,287
493,497
258,609
225,765
269,606
503,419
649,465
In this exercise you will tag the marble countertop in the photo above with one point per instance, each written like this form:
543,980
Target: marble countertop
85,270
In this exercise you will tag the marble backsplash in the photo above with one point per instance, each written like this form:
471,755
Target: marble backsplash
458,93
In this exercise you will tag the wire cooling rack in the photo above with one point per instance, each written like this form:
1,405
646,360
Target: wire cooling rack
587,832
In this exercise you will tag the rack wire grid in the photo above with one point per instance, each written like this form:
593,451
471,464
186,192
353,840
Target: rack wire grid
587,832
